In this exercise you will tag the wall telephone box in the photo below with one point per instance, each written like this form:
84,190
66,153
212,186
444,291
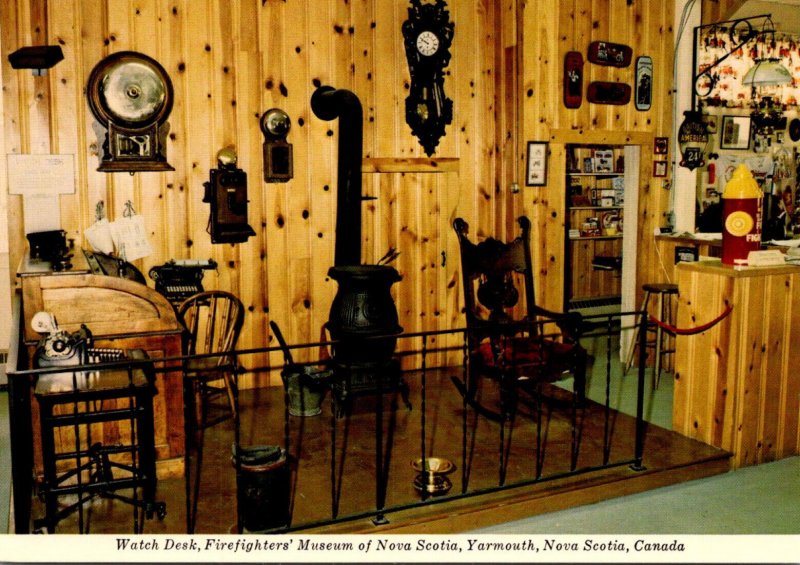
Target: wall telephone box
226,191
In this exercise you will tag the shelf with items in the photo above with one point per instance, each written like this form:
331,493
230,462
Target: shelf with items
595,174
595,190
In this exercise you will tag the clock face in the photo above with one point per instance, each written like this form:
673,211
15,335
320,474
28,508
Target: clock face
427,43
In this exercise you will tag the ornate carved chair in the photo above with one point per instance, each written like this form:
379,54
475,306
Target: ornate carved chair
516,345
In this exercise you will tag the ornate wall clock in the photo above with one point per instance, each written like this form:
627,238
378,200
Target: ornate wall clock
131,96
428,34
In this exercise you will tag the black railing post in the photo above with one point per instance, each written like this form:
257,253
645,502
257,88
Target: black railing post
640,423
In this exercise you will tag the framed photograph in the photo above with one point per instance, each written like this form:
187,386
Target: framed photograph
537,164
659,168
661,146
603,161
711,123
735,132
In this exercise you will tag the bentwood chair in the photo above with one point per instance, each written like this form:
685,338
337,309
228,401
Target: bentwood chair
213,320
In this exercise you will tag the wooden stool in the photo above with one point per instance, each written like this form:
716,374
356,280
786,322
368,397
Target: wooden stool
122,394
664,291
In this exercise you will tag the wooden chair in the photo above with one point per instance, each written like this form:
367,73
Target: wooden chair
518,348
213,320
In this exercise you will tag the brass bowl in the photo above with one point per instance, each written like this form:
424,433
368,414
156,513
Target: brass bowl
432,484
433,465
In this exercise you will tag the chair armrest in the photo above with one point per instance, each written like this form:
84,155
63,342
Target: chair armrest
570,323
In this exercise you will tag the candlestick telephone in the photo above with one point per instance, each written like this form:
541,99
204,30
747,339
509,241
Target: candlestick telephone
226,191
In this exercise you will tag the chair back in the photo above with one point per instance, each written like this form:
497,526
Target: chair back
213,320
491,271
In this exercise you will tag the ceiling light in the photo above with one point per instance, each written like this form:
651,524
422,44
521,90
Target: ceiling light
767,72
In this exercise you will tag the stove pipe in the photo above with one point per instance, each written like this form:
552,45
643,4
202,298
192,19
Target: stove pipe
329,103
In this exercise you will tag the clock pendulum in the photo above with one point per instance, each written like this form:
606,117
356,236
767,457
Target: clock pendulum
428,35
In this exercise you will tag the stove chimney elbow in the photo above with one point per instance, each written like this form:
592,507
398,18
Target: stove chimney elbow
329,103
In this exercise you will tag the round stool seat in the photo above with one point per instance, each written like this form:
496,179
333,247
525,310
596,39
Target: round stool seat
660,288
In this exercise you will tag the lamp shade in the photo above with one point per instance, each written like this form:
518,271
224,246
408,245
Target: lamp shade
767,72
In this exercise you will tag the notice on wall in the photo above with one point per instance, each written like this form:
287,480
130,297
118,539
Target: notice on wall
40,179
41,174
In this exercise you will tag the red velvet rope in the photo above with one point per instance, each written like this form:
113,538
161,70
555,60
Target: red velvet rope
692,331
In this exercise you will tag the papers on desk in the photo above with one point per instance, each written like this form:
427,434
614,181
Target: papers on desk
785,242
707,236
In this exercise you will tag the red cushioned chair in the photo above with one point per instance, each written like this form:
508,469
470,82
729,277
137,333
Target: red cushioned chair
516,345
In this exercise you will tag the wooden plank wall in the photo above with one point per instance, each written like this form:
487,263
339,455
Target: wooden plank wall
552,28
231,61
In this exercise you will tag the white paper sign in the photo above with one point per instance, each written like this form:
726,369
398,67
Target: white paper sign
41,174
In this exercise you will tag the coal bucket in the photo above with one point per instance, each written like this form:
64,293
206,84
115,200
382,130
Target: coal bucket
262,487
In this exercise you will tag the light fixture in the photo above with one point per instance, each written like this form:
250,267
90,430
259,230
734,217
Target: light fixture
767,72
38,58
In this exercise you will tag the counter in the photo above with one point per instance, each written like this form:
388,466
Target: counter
736,384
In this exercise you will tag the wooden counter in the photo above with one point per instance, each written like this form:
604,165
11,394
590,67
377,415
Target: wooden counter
736,384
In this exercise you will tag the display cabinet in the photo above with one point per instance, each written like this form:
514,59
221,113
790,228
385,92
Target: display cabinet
595,186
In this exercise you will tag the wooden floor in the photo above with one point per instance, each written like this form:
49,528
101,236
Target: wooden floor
328,481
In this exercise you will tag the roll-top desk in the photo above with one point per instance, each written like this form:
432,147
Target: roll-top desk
121,314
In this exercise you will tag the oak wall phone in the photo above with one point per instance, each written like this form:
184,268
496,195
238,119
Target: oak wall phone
226,191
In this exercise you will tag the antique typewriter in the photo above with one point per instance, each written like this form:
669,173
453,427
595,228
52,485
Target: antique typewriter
179,279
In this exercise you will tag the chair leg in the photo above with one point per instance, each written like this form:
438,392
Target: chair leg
579,377
231,388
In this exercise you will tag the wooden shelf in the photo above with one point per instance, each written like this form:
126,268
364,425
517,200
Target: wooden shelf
409,165
584,237
596,174
572,208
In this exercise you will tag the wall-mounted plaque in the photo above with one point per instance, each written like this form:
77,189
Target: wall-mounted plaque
609,54
644,83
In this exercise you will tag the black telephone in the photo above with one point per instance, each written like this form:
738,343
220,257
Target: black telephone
59,348
226,191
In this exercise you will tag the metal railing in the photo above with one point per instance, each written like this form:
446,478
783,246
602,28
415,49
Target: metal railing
551,437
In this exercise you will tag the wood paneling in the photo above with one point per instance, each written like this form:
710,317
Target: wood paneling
231,61
736,386
550,30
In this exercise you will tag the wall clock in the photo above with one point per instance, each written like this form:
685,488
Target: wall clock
131,96
428,34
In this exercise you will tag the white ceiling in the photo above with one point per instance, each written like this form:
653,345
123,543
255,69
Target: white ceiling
785,13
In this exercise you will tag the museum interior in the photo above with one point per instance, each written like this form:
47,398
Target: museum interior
391,266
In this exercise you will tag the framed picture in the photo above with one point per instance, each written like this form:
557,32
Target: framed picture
711,123
661,146
735,132
644,83
659,168
537,164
